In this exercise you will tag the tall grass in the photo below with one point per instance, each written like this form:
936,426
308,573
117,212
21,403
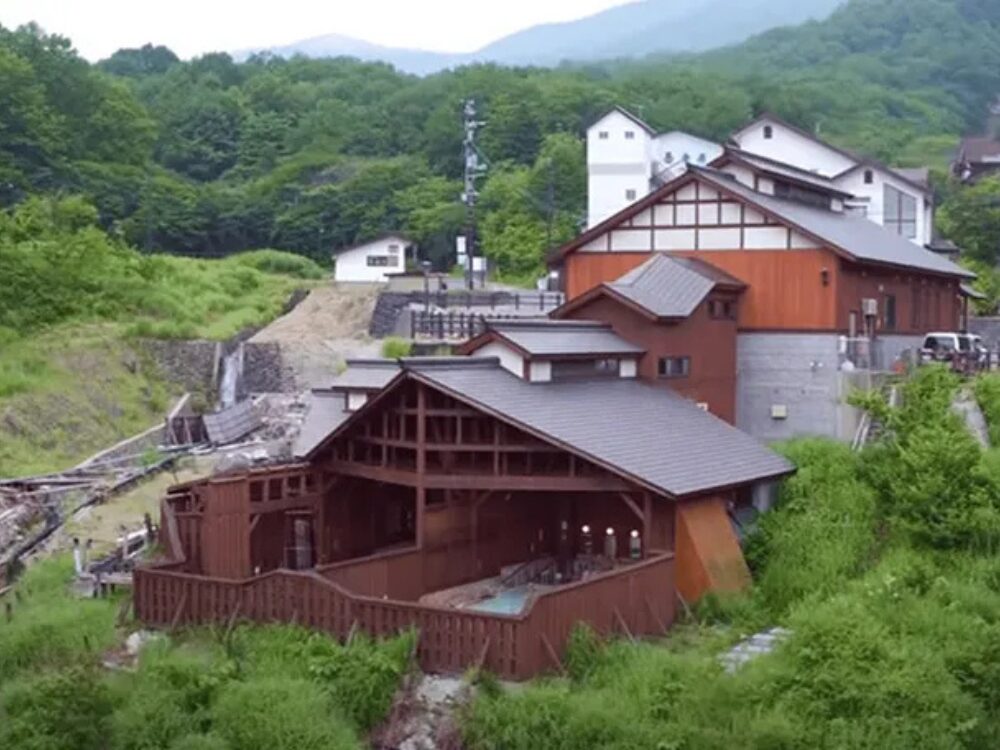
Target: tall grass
274,686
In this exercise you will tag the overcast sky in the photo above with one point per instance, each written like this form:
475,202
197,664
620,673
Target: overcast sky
191,27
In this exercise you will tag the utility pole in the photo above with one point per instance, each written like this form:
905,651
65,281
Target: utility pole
473,168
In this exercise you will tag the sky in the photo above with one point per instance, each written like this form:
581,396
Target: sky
192,27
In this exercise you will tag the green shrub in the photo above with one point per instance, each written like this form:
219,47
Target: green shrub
987,391
51,629
584,652
278,262
200,742
362,678
394,348
58,710
280,713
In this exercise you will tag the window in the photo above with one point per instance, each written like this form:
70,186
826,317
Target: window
378,261
701,158
722,309
669,157
629,135
393,249
900,212
768,132
890,312
869,177
572,369
801,195
603,135
630,195
674,367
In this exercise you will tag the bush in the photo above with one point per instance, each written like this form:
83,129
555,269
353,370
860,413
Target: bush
278,262
51,629
362,678
394,348
59,710
987,391
280,713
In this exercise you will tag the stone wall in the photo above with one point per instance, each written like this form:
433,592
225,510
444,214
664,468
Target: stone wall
192,365
388,310
264,369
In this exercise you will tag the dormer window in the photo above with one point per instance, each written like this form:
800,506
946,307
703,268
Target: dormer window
576,369
669,157
603,135
629,135
869,177
768,132
701,158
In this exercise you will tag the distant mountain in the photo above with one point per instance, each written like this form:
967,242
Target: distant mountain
633,30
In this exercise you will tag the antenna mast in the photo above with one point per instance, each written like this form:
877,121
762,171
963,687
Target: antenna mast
473,169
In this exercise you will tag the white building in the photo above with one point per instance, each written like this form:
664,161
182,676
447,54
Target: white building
627,159
372,261
894,198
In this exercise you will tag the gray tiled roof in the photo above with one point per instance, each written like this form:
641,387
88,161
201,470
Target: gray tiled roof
854,235
636,429
324,413
231,424
552,338
671,287
366,374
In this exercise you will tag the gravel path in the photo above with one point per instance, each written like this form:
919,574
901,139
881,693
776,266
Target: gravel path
329,326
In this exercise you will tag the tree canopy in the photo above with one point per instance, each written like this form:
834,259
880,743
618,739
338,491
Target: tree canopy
212,156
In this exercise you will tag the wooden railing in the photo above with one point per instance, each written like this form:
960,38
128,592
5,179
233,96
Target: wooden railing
634,600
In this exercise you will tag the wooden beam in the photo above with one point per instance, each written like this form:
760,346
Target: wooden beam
511,482
632,505
285,504
552,654
623,625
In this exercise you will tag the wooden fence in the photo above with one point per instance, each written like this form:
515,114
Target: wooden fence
634,600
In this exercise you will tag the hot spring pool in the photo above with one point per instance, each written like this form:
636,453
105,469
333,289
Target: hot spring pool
510,602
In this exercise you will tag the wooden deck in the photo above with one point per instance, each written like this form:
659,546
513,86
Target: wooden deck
632,601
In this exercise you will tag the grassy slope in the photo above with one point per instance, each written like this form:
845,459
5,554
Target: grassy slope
277,687
71,389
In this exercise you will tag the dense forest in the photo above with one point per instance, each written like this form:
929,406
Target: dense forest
211,156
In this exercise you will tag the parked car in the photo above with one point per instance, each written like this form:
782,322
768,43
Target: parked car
965,351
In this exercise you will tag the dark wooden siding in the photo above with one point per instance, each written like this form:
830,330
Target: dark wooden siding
923,302
710,343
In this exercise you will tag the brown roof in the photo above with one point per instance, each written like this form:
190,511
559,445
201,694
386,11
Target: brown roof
978,149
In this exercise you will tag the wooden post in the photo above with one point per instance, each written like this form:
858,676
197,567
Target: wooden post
552,654
647,523
420,493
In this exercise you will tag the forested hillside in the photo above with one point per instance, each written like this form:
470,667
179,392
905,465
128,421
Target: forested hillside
211,156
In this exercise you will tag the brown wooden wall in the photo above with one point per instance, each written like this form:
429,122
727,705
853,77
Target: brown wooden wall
785,287
709,557
923,303
637,599
711,344
225,533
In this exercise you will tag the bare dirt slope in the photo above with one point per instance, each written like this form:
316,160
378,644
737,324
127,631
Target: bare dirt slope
329,326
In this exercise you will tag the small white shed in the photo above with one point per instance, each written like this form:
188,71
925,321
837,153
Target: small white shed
375,260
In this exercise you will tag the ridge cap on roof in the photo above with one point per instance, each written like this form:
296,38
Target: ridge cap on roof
547,323
371,362
459,362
